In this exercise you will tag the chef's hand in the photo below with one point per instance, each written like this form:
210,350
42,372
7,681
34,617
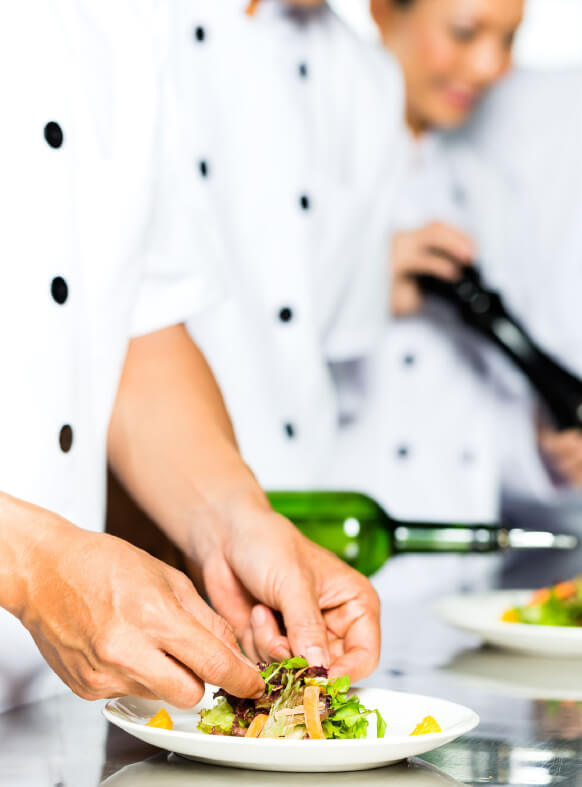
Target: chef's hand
172,444
261,563
112,620
435,250
563,450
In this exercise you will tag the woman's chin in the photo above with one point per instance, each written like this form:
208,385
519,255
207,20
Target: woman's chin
451,118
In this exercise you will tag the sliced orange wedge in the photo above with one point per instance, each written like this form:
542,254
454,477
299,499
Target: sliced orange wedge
426,726
510,616
161,720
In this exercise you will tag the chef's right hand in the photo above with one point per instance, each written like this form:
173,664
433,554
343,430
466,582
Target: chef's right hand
112,620
435,250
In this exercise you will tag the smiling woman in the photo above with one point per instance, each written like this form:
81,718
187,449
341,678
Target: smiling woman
451,51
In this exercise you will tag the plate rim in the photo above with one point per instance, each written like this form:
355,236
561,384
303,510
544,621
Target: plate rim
473,721
569,632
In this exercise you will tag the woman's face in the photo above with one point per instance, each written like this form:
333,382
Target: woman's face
451,51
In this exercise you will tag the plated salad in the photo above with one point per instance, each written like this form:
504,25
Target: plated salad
299,702
560,605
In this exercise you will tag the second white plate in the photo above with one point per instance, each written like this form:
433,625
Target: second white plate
401,711
481,615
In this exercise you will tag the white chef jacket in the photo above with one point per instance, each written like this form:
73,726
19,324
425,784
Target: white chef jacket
431,420
430,447
95,246
299,146
531,126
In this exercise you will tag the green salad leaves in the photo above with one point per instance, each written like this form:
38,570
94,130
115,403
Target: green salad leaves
282,711
219,719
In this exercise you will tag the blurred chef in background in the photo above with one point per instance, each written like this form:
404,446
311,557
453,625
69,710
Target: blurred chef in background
545,168
297,135
460,436
439,441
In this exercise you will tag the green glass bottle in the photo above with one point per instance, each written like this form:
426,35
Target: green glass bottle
358,530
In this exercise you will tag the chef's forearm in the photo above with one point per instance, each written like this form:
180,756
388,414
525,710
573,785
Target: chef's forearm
171,441
23,527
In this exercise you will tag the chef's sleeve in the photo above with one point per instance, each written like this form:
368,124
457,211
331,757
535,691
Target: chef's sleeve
361,310
181,254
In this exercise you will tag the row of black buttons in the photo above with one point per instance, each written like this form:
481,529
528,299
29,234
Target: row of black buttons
55,137
285,313
200,37
402,452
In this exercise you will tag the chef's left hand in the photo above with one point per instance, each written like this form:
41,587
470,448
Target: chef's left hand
563,450
261,563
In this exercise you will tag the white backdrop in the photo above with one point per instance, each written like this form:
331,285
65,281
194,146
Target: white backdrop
551,36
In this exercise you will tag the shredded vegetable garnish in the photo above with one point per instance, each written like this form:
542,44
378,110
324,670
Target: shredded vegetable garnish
300,702
560,605
256,726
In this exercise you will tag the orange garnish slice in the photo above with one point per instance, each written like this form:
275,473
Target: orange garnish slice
539,597
252,7
510,616
564,590
311,710
426,727
161,720
256,726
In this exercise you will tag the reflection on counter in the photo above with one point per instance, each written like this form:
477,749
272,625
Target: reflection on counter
518,675
559,720
177,772
479,760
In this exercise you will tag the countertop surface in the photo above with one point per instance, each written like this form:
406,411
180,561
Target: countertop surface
530,731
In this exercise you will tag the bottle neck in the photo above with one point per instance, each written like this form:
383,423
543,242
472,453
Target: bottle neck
413,537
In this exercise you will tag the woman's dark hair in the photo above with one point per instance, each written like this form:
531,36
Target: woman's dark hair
404,2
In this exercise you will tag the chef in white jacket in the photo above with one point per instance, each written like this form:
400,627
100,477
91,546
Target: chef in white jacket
435,452
458,439
470,198
103,255
432,438
299,149
545,169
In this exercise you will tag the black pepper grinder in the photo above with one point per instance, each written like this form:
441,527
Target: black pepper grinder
484,311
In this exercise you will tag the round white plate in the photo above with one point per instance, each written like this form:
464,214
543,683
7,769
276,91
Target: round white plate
480,614
401,711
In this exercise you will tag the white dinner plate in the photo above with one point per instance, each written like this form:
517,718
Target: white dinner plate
480,614
401,711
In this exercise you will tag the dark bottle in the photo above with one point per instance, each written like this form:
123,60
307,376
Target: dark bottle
358,530
485,311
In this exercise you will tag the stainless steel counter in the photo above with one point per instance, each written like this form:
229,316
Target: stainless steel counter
530,734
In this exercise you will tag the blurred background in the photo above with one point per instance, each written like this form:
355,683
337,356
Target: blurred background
549,38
